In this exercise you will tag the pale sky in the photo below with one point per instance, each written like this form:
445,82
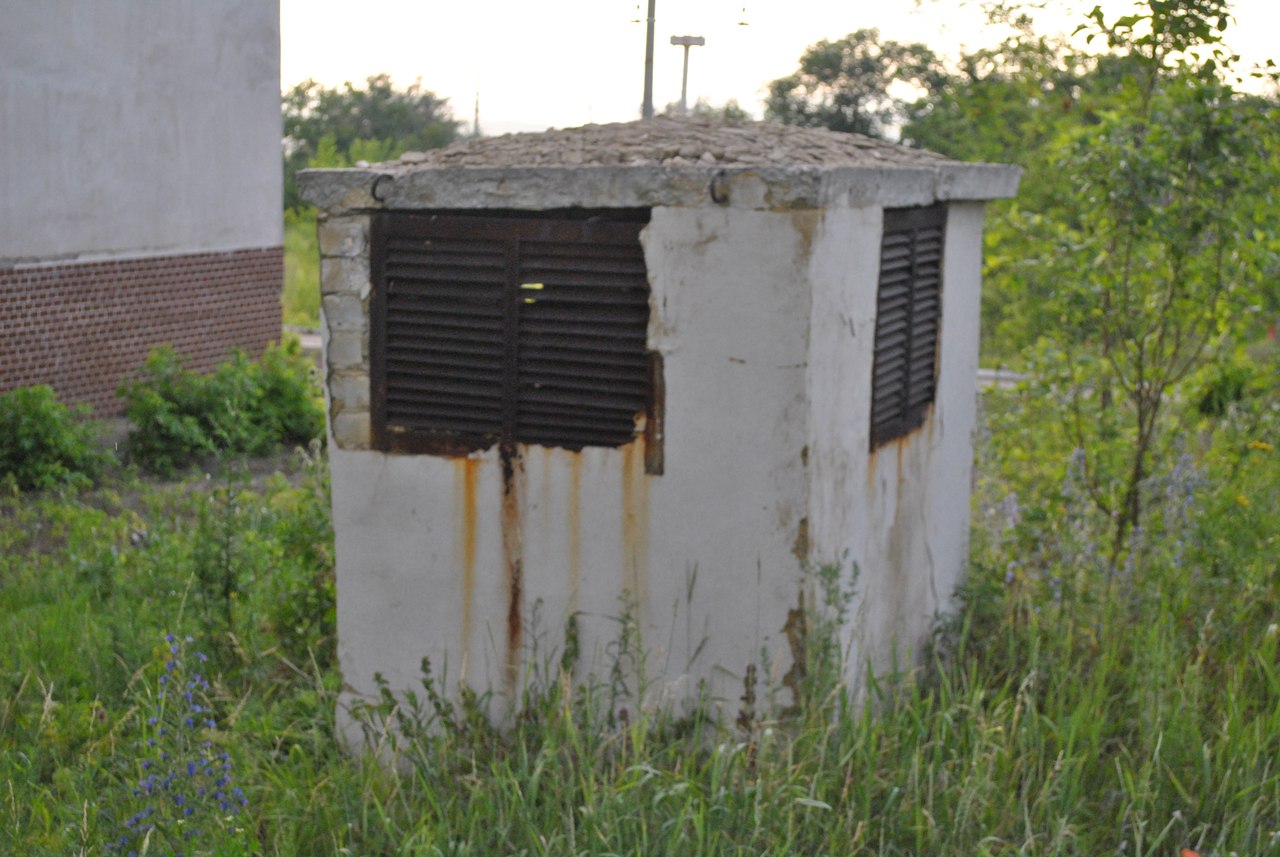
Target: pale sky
559,63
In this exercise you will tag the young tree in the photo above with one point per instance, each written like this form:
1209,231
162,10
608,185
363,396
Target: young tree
1165,238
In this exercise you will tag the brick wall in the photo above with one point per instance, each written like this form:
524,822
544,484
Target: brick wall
84,327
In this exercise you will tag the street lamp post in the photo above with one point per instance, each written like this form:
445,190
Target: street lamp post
686,42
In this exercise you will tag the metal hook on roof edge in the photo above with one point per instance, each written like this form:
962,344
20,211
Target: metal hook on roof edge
381,186
719,188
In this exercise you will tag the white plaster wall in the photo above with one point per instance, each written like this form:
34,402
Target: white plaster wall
702,556
845,274
898,517
138,126
732,308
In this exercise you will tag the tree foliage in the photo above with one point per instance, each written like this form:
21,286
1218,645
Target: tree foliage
339,127
858,83
1020,102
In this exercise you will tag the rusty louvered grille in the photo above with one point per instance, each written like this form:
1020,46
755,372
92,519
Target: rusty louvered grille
494,328
908,318
583,321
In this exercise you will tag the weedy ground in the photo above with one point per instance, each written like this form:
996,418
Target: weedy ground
1071,707
300,298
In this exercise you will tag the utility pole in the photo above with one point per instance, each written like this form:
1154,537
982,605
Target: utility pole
646,109
686,42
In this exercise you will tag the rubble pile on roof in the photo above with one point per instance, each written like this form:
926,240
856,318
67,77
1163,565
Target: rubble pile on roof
676,142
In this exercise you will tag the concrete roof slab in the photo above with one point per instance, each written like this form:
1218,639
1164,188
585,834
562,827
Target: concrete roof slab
661,162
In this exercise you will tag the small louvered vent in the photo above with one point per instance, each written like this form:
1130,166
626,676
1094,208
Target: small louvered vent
507,328
908,317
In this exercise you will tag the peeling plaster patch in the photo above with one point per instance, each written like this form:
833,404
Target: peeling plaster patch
796,630
800,547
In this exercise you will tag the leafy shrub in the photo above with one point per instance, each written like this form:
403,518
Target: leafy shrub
243,408
45,444
290,408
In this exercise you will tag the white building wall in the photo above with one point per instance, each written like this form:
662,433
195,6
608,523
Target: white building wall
130,127
703,558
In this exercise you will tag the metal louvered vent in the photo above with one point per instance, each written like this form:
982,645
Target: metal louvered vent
508,328
908,317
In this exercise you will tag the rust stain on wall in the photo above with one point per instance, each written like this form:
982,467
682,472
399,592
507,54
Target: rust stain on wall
466,474
512,550
635,521
805,223
900,446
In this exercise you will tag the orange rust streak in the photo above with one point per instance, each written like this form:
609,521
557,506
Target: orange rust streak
899,445
635,521
470,468
642,520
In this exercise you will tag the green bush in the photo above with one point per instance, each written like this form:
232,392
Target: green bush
243,408
45,444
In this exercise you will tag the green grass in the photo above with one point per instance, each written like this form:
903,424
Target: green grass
301,299
1070,709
